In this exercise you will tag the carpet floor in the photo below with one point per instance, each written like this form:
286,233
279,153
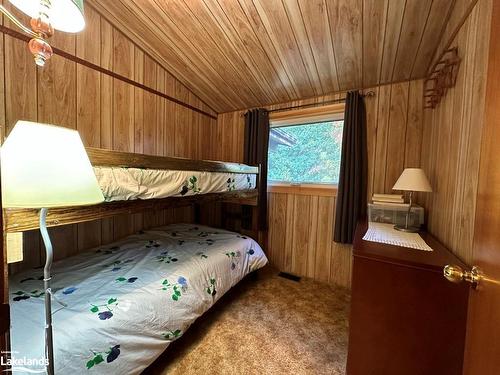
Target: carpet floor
270,325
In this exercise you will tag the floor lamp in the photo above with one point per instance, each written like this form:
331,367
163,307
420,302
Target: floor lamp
45,166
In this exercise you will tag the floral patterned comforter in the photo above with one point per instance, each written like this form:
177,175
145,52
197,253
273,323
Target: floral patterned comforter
119,184
116,308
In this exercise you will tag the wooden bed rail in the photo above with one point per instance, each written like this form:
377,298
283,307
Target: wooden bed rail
108,158
19,220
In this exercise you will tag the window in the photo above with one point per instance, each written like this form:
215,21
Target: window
306,153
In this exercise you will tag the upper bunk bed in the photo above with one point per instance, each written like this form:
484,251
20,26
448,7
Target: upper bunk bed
132,183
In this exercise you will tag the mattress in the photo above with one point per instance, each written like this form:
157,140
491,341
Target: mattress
116,308
118,183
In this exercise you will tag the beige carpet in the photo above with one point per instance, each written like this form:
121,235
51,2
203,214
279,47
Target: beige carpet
266,326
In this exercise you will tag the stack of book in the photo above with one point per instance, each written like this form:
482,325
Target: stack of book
389,200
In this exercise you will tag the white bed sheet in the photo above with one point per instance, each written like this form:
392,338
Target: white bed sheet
126,302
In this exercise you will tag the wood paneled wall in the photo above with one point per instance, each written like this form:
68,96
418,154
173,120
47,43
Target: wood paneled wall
108,113
452,138
301,226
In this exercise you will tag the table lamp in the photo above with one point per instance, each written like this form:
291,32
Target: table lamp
45,166
412,179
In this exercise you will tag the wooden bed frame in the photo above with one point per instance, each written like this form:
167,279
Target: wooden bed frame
18,220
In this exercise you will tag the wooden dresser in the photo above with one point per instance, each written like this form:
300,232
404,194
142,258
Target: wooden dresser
406,318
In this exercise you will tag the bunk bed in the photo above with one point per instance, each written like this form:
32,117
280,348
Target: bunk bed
117,307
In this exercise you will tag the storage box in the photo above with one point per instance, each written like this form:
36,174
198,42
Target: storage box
395,215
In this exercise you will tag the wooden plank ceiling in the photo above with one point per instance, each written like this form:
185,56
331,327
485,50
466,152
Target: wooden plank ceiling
238,54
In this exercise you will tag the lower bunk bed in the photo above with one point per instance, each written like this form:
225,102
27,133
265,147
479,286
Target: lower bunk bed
117,308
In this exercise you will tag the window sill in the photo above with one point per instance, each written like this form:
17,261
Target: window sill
322,190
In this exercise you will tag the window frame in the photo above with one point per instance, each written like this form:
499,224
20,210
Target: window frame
304,116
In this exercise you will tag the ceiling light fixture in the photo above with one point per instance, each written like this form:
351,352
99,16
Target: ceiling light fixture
47,15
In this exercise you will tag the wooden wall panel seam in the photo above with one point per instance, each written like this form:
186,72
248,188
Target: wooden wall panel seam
337,82
421,39
313,81
452,37
399,39
371,158
386,138
441,34
406,127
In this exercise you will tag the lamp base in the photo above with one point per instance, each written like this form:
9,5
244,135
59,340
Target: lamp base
407,229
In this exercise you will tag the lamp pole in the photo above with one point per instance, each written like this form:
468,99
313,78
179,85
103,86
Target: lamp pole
407,227
49,345
409,210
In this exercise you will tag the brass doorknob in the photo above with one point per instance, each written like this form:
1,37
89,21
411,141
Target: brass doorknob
457,274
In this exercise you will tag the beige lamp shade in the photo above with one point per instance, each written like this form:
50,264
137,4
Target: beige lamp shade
413,179
46,166
64,15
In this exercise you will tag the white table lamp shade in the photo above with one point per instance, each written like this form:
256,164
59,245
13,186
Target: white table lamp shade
46,166
413,179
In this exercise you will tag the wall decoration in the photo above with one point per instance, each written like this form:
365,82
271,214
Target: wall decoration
442,77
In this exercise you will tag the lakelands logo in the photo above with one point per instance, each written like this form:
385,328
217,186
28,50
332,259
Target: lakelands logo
9,361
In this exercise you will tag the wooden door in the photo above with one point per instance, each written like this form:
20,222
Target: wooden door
482,352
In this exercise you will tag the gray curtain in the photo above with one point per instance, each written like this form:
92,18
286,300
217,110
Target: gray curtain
351,196
256,148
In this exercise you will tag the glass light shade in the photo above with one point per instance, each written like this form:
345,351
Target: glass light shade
413,179
46,166
64,15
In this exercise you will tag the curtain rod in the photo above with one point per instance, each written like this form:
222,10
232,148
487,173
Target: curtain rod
308,105
333,101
